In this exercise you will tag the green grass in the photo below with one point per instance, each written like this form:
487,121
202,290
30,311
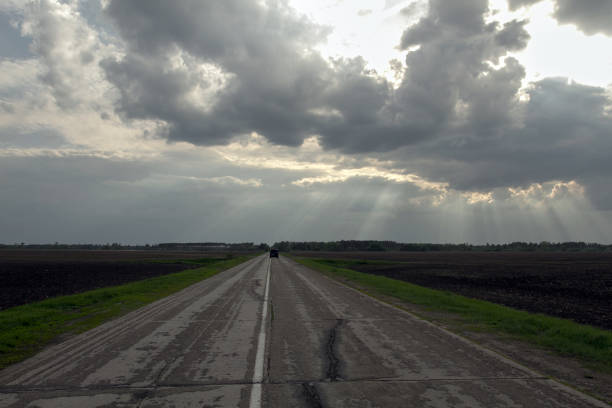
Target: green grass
343,263
191,261
26,329
589,344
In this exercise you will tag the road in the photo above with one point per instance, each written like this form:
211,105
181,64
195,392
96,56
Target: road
320,344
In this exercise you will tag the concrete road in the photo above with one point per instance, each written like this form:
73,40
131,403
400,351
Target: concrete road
320,345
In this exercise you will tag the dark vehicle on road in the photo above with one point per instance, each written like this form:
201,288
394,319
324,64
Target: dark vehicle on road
274,253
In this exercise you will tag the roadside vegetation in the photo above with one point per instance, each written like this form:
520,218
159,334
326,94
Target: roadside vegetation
26,329
589,344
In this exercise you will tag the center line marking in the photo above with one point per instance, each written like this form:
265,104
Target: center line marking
261,348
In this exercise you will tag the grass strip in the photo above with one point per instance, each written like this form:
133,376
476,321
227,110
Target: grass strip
190,261
26,329
587,343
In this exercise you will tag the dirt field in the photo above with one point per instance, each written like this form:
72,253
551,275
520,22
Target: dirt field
32,275
77,255
576,286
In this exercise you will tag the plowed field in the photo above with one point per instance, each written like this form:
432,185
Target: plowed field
32,275
575,286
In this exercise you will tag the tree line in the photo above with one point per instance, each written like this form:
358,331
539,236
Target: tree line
168,246
350,245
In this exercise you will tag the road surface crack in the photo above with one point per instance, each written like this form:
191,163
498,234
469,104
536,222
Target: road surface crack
332,373
312,395
141,396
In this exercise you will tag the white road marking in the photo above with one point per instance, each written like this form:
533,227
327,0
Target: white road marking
261,349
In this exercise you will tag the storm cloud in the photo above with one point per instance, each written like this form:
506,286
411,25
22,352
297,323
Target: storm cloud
459,100
491,136
272,78
565,134
274,83
590,16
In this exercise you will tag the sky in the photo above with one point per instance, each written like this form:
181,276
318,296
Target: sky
266,120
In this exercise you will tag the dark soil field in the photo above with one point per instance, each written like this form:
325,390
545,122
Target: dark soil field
32,275
576,286
77,255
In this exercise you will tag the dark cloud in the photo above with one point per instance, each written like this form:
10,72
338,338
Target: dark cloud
565,134
278,86
456,113
282,89
513,36
592,16
449,79
362,102
275,78
486,136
